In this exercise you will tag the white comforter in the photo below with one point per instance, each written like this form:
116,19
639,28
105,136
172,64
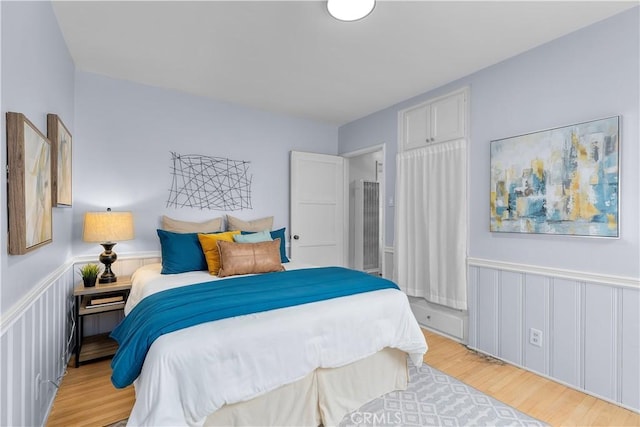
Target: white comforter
190,373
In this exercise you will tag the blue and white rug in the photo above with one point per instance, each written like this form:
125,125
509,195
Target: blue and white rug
434,398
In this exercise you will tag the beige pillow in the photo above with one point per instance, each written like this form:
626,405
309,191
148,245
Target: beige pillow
176,226
247,258
255,225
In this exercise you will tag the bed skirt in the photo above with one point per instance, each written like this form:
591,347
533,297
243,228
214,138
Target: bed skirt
323,397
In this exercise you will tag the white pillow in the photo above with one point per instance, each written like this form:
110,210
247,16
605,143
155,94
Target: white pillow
177,226
261,224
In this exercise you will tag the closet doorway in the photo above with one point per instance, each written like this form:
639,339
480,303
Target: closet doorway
365,171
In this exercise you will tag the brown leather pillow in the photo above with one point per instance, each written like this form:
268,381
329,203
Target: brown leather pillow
247,258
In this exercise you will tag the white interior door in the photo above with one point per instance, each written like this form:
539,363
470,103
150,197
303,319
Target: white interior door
318,209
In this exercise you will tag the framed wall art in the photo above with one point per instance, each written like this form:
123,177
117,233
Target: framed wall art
558,181
61,171
29,185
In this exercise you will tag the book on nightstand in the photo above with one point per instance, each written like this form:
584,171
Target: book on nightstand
102,301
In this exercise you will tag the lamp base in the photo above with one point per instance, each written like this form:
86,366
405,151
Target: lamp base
108,279
108,257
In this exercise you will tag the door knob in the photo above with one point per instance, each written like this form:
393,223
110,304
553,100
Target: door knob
296,237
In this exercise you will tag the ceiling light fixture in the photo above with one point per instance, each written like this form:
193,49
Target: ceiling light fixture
350,10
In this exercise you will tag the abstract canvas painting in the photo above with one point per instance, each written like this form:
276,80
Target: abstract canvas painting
29,185
60,138
558,181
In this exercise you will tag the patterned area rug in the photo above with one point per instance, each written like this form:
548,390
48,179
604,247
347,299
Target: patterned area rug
433,398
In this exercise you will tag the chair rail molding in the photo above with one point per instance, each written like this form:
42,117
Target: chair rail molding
8,318
580,276
121,256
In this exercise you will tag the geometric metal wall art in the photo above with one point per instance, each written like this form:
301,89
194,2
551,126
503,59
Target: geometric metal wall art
61,151
208,182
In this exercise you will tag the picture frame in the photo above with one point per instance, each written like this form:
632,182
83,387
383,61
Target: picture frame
61,161
29,186
561,181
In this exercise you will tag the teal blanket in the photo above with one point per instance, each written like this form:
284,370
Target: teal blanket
186,306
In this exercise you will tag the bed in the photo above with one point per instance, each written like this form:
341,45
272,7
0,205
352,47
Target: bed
308,364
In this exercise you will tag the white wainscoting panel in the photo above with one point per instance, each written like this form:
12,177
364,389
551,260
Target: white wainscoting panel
35,341
511,300
630,348
565,340
536,316
590,325
601,336
34,346
487,300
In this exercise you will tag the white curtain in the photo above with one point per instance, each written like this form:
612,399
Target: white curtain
431,223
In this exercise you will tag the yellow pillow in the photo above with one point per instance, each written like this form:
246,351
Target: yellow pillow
209,243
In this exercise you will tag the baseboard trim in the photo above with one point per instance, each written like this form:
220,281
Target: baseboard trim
556,380
619,281
442,334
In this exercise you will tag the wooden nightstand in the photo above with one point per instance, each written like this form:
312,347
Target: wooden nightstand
97,346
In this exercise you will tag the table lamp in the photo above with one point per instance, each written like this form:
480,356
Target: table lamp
106,228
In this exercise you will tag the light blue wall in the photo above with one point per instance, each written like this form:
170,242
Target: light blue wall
589,74
126,131
37,78
123,135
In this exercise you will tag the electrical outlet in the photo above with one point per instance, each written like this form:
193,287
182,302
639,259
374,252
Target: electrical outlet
36,386
535,337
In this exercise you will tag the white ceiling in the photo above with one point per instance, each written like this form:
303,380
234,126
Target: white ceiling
291,57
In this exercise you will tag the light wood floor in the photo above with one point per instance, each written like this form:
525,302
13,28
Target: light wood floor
87,398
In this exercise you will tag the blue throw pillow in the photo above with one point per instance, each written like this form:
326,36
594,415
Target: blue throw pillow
277,234
260,236
181,252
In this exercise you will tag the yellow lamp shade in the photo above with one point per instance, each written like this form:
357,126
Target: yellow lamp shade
107,226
